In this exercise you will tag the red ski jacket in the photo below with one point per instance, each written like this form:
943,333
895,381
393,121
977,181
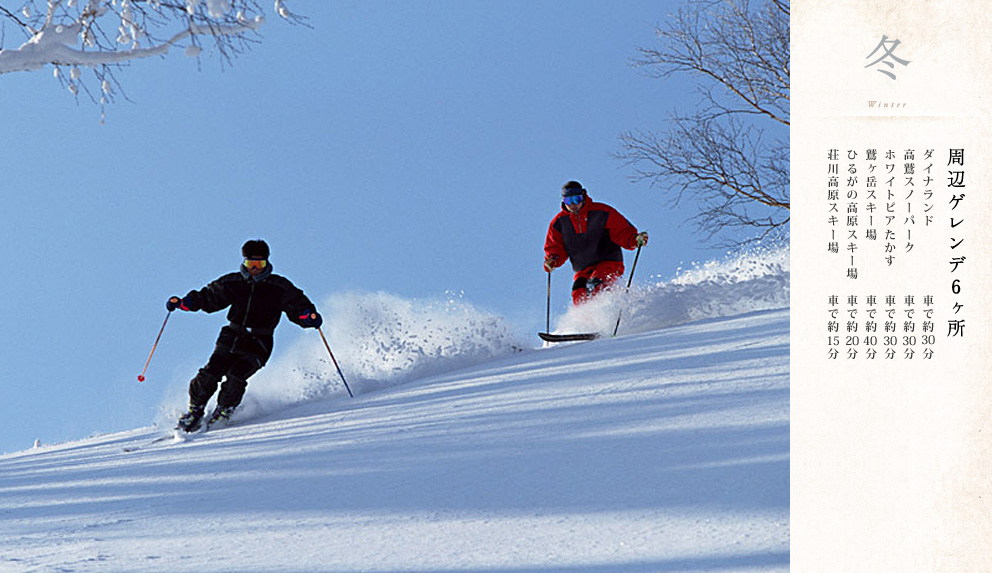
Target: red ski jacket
592,235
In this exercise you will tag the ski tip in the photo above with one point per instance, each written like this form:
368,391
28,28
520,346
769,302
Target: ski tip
173,437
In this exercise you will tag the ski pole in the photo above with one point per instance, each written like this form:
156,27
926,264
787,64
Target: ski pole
548,327
630,279
141,377
328,347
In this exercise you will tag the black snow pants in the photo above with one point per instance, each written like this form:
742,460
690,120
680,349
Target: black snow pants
239,353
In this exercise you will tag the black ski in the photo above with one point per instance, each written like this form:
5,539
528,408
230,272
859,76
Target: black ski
170,436
179,436
549,337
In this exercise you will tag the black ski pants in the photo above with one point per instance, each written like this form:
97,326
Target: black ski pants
239,353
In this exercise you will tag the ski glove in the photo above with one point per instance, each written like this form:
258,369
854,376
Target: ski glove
311,319
550,263
641,239
175,302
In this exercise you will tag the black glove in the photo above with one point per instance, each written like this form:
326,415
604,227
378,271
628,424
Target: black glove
311,319
175,302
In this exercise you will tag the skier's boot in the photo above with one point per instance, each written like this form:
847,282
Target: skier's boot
220,415
191,420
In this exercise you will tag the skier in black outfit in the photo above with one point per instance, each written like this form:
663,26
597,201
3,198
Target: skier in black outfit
256,297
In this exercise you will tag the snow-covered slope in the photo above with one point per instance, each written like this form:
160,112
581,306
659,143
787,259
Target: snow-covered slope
664,449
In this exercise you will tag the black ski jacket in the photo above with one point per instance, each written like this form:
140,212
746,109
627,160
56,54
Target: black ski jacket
255,302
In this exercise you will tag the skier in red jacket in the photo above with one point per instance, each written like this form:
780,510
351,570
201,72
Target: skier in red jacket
591,235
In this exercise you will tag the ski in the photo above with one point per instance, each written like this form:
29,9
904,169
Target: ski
549,337
179,436
174,435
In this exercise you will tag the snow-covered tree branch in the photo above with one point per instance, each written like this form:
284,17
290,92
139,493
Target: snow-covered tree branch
103,35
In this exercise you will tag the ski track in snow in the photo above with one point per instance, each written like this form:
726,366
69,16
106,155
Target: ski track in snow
665,449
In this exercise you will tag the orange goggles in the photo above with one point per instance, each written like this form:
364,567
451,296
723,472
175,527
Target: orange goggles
255,263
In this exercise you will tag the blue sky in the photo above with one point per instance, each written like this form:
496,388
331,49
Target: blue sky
416,148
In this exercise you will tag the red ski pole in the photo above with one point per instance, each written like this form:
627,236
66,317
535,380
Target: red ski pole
141,377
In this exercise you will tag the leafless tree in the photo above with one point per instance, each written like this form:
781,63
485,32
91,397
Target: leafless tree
100,36
730,154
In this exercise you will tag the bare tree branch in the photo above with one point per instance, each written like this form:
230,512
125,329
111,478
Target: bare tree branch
722,156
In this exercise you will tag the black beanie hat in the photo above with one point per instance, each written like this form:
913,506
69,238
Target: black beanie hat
572,188
255,249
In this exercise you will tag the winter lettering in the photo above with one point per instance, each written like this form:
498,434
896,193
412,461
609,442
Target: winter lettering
875,104
884,54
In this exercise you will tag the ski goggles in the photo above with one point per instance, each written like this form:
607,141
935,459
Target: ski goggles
255,263
573,199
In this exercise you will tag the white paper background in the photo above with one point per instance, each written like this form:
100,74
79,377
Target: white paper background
891,458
